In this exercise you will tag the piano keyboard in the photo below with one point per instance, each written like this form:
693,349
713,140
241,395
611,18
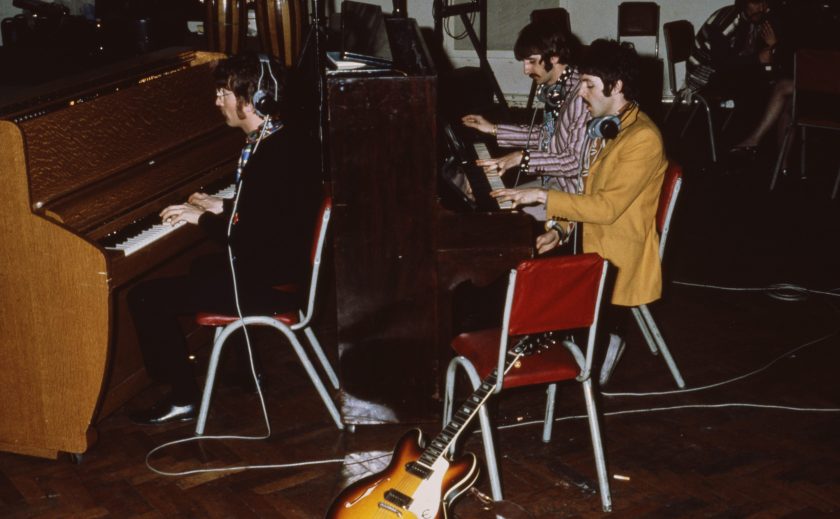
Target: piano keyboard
494,180
157,231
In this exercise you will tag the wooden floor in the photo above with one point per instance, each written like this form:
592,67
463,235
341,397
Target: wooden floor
759,445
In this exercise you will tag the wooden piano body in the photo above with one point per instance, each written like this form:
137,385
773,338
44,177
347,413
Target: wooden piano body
398,253
95,155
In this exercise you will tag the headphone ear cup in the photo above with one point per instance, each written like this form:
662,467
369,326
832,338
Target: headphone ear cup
610,127
606,127
260,101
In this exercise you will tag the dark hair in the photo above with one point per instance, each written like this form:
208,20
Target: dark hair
241,75
742,4
610,61
548,40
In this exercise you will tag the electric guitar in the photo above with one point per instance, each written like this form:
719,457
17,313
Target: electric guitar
421,483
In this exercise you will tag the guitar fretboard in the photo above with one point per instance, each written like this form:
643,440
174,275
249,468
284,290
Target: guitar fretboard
465,413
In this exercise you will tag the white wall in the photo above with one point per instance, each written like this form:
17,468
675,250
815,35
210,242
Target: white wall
590,20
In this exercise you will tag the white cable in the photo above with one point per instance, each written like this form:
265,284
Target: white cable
729,381
260,395
782,291
678,407
780,286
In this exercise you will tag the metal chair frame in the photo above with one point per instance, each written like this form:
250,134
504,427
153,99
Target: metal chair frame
628,12
641,313
808,65
584,361
290,331
678,46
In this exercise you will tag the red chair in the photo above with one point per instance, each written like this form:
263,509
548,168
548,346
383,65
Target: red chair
667,201
639,19
544,295
289,324
816,75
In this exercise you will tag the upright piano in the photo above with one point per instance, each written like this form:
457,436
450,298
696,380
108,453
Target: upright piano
87,164
398,253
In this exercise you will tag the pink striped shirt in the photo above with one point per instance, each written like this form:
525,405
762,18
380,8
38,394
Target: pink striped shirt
559,164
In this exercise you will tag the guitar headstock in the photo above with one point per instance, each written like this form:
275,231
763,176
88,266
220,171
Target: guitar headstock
530,344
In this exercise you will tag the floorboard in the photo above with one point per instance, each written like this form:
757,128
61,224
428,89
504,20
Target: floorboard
700,453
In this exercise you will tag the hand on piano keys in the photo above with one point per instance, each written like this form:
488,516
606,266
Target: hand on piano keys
527,196
479,123
492,170
136,241
211,203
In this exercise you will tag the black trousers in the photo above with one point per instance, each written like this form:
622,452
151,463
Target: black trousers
156,306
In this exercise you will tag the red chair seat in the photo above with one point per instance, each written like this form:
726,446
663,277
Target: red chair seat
209,319
482,349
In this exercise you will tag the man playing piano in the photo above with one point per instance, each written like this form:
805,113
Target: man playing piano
551,150
266,228
623,173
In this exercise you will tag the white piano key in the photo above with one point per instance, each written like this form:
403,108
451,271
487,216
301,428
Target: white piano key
495,180
157,231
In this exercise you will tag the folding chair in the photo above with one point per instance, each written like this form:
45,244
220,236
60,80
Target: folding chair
639,19
815,72
667,201
544,295
679,42
289,324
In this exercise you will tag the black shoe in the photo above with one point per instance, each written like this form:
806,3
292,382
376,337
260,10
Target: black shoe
164,412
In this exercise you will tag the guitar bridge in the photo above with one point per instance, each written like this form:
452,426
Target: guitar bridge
393,510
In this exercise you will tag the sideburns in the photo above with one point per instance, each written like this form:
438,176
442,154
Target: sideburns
240,112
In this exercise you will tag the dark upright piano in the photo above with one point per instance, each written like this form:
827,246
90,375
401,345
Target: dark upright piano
86,164
398,253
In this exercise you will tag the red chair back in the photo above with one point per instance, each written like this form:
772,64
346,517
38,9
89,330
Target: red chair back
557,293
321,228
667,201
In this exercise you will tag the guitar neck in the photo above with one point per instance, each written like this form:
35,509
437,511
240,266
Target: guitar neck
464,415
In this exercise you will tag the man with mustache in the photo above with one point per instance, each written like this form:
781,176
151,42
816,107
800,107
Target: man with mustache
622,179
552,149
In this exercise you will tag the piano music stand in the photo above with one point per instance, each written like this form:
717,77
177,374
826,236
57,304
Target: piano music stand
442,11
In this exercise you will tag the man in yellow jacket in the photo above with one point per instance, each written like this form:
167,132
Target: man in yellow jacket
623,169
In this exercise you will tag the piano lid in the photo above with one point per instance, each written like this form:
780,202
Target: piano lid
39,100
135,116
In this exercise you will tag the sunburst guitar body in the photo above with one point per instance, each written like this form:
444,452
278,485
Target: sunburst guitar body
408,488
421,481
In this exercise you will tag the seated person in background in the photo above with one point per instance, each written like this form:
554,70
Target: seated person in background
267,229
735,47
551,150
623,173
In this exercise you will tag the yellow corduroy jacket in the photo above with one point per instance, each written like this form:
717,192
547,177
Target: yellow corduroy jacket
618,208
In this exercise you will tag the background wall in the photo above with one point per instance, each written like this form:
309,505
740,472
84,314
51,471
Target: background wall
590,20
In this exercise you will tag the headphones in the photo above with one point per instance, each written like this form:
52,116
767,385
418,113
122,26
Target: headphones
265,104
552,95
605,127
